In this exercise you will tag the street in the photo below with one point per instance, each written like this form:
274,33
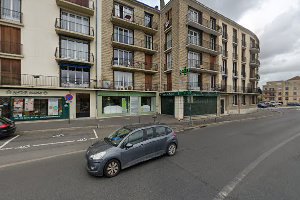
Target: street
252,159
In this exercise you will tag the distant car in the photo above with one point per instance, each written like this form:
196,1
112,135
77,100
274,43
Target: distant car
262,105
128,146
7,127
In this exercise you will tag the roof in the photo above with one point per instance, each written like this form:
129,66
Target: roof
137,126
296,78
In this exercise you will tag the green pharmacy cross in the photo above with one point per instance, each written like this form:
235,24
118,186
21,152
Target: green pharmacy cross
184,71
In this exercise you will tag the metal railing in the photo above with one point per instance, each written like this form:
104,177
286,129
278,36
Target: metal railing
134,64
199,64
131,17
74,27
11,15
125,39
203,43
11,48
74,55
204,22
128,86
84,3
68,82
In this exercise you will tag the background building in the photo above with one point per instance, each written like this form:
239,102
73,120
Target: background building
285,92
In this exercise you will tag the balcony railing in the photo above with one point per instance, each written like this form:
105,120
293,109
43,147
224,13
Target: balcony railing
205,22
128,86
67,82
137,65
74,55
11,15
254,45
74,27
255,62
127,40
202,66
11,48
135,19
203,43
197,86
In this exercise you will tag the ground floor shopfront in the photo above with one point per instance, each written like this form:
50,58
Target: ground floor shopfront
45,104
122,103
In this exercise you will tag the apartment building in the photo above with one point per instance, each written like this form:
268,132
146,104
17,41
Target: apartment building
46,54
210,62
130,70
285,92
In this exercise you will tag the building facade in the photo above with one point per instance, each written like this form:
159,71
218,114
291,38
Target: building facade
123,57
285,92
221,59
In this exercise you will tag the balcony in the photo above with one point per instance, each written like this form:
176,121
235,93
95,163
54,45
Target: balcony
128,86
254,77
254,63
234,40
72,29
204,25
168,67
134,44
254,47
234,56
134,66
204,67
244,44
195,44
11,50
63,55
252,90
224,72
132,21
11,16
168,25
224,54
197,86
86,7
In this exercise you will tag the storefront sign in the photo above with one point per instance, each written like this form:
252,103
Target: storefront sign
26,92
189,93
29,102
134,105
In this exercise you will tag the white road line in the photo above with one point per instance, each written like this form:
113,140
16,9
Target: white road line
40,159
232,185
9,141
6,149
96,136
53,143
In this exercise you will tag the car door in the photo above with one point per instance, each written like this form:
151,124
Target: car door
160,139
149,144
136,153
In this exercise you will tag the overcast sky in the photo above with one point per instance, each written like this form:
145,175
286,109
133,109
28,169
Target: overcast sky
275,22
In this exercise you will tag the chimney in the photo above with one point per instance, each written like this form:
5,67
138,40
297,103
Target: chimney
162,4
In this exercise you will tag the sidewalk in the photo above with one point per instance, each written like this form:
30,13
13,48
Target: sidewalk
121,121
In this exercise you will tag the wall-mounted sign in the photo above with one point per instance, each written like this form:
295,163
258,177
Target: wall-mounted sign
26,92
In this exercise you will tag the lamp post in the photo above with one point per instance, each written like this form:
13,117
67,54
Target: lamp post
186,72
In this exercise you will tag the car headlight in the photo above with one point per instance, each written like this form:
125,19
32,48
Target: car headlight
98,156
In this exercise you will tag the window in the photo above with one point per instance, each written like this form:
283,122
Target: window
123,58
224,48
160,131
279,93
123,35
149,133
193,81
287,94
244,85
193,15
295,93
235,100
295,98
148,20
234,35
243,100
75,23
123,12
194,59
194,37
224,67
10,72
136,137
224,31
253,99
213,81
148,42
169,60
11,10
295,88
234,69
147,104
286,88
74,49
286,98
123,80
169,40
213,23
235,85
213,42
75,77
169,14
279,98
243,71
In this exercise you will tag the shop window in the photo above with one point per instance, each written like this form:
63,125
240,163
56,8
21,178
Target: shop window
115,105
147,104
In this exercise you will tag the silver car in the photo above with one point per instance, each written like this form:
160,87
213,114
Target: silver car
128,146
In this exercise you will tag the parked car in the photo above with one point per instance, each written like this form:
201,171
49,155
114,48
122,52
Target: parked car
7,127
293,104
128,146
262,105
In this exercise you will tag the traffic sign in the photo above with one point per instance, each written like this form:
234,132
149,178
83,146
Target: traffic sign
69,97
185,71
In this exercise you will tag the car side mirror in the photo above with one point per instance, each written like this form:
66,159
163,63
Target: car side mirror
128,145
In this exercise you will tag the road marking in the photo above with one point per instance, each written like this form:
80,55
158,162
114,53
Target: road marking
53,143
23,147
59,135
39,159
239,178
82,140
9,141
96,136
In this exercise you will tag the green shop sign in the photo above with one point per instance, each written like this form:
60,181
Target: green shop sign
190,93
126,94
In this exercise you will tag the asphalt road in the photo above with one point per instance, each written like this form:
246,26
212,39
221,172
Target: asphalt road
249,160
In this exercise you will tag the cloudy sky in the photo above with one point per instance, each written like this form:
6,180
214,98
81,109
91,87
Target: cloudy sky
277,24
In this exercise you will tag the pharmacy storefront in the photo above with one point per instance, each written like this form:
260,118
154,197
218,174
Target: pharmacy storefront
125,103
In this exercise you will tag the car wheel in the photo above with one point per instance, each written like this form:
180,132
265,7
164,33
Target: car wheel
112,168
171,149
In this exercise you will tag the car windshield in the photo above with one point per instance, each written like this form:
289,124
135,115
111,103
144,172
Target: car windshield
116,137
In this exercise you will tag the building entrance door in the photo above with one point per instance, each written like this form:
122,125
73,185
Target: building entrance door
222,106
82,105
